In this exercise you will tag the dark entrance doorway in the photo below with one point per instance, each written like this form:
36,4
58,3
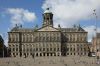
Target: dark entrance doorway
43,54
47,54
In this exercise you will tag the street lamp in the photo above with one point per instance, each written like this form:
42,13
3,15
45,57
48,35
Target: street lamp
95,29
97,47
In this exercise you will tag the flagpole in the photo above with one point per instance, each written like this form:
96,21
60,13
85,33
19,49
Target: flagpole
96,35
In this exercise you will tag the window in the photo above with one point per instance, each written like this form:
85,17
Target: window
13,46
54,38
30,53
74,53
58,54
43,49
40,39
33,49
47,49
43,39
58,49
16,49
47,18
67,49
85,53
16,53
13,49
74,49
81,53
16,45
78,53
58,38
77,49
54,49
50,49
67,53
84,49
40,49
71,54
9,49
70,49
30,49
47,39
81,49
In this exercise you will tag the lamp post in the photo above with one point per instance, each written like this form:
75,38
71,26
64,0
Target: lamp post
97,47
95,29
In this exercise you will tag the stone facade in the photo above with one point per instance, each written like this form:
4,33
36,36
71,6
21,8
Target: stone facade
96,44
47,40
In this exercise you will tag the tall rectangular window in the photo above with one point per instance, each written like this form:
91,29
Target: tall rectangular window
50,49
43,49
54,49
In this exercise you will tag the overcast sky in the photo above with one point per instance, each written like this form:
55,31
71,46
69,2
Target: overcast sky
66,13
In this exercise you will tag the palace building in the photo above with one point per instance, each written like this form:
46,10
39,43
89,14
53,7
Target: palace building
47,40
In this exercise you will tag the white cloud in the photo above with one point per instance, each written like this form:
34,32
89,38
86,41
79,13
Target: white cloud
20,15
91,32
69,12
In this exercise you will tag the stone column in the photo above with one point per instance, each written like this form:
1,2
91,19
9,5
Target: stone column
42,54
11,54
45,54
52,54
56,53
49,54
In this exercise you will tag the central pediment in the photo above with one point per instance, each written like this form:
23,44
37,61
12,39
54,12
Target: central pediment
48,28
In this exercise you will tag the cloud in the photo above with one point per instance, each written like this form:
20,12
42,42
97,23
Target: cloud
91,32
69,12
20,15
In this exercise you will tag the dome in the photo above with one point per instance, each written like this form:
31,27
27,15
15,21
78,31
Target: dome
47,11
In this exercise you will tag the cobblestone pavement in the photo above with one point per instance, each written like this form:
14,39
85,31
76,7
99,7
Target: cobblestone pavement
50,61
